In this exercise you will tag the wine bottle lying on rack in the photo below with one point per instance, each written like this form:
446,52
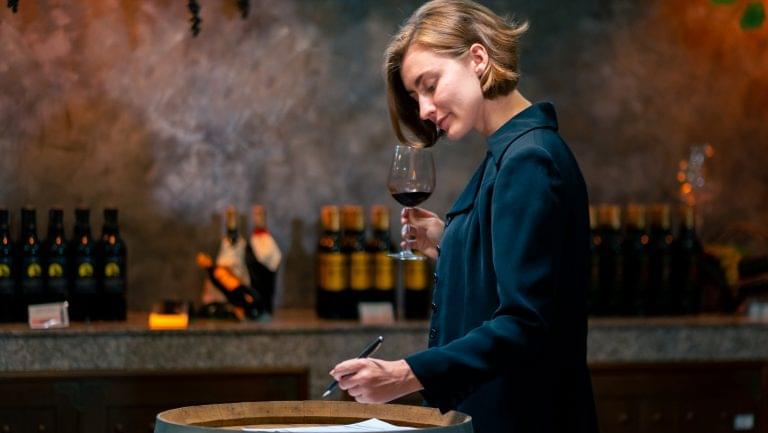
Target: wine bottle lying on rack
246,300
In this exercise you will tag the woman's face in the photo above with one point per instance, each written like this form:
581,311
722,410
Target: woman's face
447,89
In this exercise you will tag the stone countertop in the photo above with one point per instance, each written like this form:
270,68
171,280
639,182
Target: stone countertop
298,339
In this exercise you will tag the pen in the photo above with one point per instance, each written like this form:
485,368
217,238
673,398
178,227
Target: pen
368,351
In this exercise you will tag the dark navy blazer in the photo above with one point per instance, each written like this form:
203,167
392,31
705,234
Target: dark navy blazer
507,339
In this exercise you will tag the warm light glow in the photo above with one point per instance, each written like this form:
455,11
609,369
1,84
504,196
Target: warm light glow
686,188
159,321
683,164
709,150
680,176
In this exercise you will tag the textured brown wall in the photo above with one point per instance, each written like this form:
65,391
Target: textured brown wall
113,102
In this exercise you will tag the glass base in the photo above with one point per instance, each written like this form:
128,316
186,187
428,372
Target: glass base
406,255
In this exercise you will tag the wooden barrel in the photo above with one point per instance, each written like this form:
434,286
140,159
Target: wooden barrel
275,414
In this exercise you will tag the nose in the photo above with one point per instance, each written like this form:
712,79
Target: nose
427,109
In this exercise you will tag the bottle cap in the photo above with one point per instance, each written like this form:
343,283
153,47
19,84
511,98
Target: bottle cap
609,215
380,217
259,216
353,218
659,215
329,218
110,216
231,217
82,215
635,216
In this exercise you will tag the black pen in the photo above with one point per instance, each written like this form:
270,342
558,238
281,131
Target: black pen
368,351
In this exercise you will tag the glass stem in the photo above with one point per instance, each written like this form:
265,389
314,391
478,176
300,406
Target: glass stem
409,240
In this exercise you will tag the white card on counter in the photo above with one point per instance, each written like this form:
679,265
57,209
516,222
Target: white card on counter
371,425
375,313
47,316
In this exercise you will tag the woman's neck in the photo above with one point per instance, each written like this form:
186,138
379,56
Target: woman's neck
496,112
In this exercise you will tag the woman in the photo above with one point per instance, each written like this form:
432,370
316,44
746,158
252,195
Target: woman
507,339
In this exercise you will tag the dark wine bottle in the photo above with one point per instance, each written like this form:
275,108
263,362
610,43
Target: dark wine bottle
660,252
31,260
55,253
262,257
331,269
356,258
112,259
9,299
418,293
611,261
638,298
84,294
686,262
379,262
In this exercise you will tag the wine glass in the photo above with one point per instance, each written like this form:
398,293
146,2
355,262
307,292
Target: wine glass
411,181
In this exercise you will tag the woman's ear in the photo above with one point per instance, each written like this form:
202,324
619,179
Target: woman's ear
478,55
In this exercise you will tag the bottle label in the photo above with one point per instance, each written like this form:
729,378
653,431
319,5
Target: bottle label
32,279
7,286
85,282
114,281
416,274
331,272
55,270
359,275
383,268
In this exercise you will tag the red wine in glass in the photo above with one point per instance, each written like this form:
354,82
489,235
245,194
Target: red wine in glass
411,198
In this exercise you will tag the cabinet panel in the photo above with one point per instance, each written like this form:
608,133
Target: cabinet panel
113,402
681,397
617,415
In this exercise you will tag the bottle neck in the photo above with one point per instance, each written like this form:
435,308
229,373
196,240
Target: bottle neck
82,230
55,230
30,230
110,230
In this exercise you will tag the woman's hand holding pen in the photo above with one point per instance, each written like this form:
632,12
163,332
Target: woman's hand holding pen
426,230
370,380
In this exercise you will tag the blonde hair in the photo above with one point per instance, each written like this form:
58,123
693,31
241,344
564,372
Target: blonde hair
450,27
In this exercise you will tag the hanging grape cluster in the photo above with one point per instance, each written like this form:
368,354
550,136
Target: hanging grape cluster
194,7
244,6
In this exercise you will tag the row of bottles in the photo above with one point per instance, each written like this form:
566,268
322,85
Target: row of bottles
646,268
245,270
352,269
89,274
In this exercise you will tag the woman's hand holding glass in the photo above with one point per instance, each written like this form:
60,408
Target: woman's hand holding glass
421,230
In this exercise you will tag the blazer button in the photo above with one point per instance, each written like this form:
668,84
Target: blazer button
434,307
432,333
437,247
435,278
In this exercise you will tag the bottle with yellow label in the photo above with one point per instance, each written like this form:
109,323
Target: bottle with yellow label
8,296
331,268
356,257
55,252
31,261
381,266
113,268
418,293
84,294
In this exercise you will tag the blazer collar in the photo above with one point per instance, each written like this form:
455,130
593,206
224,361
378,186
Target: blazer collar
538,115
467,198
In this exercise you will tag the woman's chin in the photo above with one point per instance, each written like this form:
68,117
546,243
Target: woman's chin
453,133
